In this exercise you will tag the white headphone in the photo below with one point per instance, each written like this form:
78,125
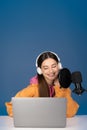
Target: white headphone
39,69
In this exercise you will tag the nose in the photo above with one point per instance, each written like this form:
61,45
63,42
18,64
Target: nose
50,70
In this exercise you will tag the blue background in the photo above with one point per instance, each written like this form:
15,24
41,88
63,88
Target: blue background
29,27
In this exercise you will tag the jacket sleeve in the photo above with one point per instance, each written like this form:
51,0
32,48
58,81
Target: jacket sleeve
72,105
29,91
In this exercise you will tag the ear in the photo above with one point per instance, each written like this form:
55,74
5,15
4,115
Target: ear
39,70
60,65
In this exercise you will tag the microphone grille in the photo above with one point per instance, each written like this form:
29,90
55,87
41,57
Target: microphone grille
76,77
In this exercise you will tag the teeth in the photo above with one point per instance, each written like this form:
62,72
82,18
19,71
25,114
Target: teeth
51,75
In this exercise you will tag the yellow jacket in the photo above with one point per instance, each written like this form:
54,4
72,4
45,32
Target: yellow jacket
32,91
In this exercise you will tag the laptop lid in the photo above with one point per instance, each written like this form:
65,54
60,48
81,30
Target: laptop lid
39,112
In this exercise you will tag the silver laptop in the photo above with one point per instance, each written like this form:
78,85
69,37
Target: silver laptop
39,112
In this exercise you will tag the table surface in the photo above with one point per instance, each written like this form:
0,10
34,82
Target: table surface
78,122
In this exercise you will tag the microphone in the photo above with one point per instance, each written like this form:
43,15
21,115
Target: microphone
77,79
64,77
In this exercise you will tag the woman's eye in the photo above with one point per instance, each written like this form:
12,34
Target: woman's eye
45,68
54,66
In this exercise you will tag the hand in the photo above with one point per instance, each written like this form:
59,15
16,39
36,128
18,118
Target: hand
56,82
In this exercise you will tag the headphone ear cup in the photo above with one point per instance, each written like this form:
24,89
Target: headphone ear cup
39,70
60,65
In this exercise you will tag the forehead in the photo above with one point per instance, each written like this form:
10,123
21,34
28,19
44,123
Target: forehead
49,62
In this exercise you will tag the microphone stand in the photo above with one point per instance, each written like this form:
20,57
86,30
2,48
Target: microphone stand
78,89
76,80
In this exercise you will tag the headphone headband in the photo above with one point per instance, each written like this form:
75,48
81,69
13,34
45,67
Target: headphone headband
45,52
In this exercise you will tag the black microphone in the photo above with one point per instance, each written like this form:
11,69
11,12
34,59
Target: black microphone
64,77
77,79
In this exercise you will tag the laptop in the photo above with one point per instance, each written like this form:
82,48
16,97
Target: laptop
39,112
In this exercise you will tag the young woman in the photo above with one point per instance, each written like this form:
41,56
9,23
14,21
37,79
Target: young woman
46,84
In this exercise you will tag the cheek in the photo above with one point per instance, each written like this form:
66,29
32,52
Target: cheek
44,71
56,71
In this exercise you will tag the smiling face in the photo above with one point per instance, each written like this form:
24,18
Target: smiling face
50,69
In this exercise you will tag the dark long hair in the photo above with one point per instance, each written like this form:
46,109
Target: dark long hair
43,86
